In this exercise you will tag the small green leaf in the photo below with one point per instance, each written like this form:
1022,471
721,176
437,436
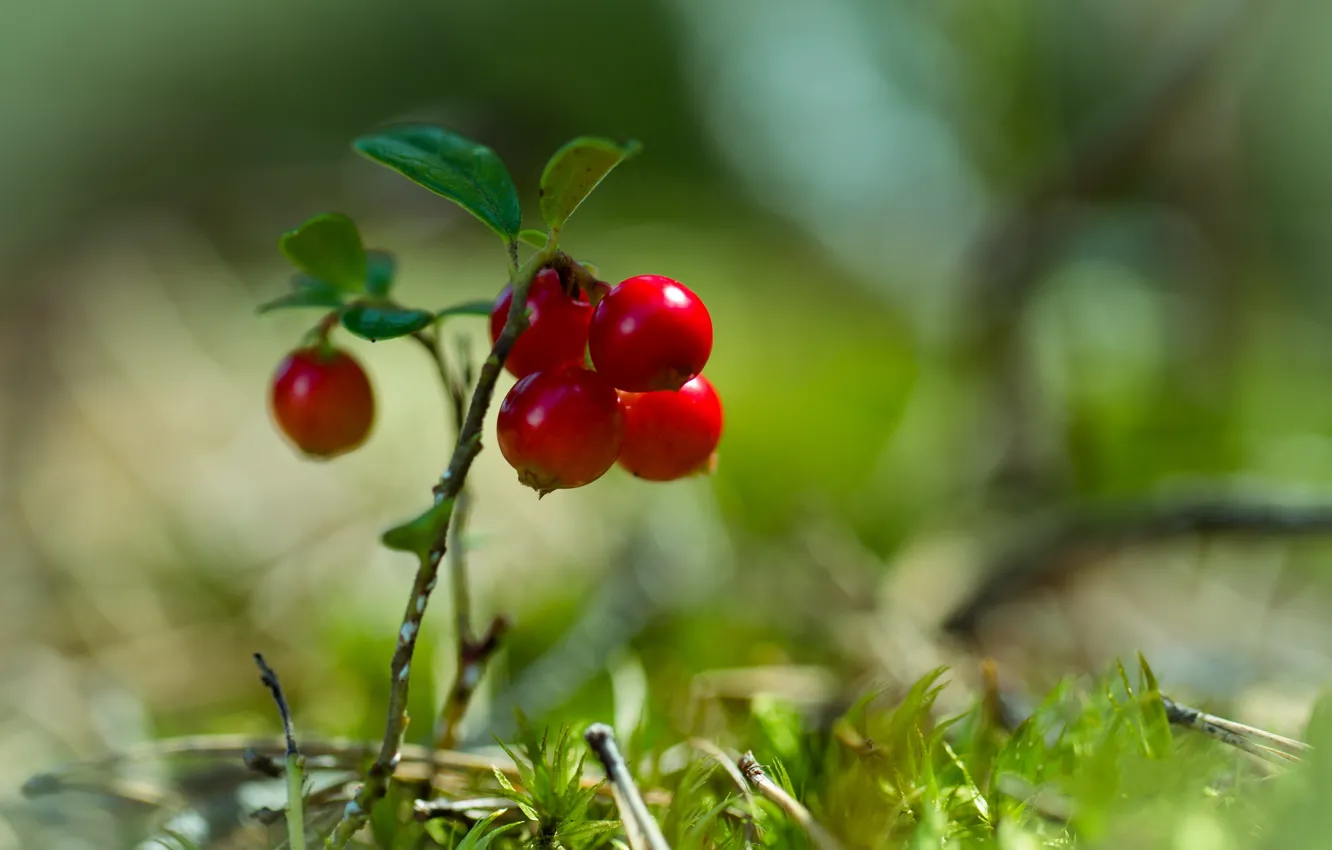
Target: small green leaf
467,308
419,535
574,171
535,238
1156,724
328,247
504,781
384,321
467,173
305,296
380,268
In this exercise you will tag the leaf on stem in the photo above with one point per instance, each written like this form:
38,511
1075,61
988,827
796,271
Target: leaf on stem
574,171
381,267
306,291
419,535
467,173
384,321
328,247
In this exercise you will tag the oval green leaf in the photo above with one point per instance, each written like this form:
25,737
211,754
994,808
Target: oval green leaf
418,535
328,247
467,173
384,321
306,291
381,268
574,171
302,298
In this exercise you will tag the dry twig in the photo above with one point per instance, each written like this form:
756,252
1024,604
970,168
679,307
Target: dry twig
753,772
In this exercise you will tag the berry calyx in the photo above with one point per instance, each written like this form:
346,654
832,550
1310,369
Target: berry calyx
557,333
671,434
321,399
650,333
561,429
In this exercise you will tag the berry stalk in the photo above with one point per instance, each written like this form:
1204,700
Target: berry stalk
450,486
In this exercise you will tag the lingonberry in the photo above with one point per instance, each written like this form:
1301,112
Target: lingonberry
561,428
322,401
557,334
650,333
668,435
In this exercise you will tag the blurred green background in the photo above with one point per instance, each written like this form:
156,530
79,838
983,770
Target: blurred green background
969,262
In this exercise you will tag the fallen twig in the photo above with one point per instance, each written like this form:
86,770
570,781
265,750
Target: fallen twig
639,824
424,810
1276,749
753,772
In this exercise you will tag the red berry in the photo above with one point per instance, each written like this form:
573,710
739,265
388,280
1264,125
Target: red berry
668,435
650,333
322,400
557,334
561,429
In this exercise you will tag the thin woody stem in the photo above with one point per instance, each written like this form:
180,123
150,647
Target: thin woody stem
295,762
468,446
753,772
473,652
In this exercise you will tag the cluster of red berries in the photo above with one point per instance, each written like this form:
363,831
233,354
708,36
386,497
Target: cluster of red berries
643,402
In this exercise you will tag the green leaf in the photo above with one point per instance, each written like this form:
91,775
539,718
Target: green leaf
1156,724
384,321
328,298
381,267
419,535
574,171
504,781
328,247
535,238
467,308
467,173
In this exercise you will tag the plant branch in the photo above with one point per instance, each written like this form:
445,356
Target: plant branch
295,761
633,811
753,772
1057,551
450,485
473,653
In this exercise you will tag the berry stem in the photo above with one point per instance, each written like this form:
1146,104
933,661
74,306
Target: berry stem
450,486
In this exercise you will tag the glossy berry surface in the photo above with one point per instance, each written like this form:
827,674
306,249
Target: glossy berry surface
322,401
671,434
650,333
561,429
557,335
